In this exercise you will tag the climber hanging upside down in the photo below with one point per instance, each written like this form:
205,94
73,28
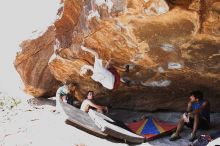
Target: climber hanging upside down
107,76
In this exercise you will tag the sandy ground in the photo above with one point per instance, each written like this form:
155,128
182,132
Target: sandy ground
36,124
39,125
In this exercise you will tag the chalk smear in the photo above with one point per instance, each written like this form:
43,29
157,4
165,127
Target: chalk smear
174,65
167,47
92,14
160,83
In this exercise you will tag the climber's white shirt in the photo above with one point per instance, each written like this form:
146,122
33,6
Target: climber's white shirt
102,75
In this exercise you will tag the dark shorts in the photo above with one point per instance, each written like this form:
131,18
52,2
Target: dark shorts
203,123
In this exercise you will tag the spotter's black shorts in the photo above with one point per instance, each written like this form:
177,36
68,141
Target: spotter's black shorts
203,123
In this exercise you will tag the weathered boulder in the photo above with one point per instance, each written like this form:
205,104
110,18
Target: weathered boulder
168,54
32,65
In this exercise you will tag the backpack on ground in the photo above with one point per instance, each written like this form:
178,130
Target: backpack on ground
203,140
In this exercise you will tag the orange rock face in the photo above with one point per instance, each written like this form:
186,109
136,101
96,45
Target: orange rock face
171,48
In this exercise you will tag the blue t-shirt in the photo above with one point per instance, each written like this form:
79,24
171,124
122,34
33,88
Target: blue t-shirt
205,113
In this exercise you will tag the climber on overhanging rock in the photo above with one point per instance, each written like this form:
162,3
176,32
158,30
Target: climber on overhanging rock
108,77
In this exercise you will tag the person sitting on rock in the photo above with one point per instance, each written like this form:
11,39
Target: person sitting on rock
88,103
196,116
64,93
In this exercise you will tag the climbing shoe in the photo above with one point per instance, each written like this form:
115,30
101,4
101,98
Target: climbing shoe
174,136
192,137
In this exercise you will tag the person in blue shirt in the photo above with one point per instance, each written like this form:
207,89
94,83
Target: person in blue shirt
196,116
67,93
64,93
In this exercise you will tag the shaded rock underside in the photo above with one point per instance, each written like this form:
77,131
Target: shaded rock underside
168,54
